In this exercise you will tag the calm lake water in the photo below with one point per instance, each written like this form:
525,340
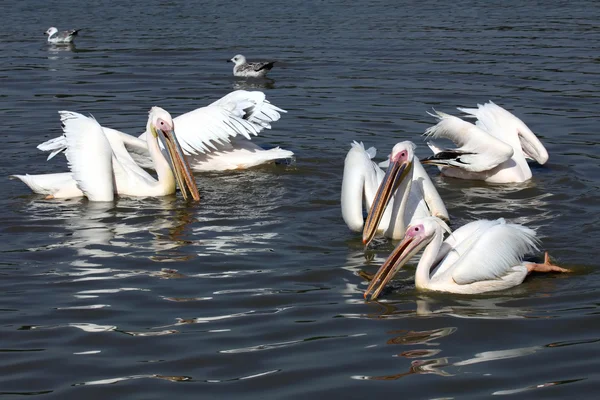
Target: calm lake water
255,293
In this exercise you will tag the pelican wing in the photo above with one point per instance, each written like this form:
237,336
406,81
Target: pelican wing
201,130
360,181
432,198
59,144
89,155
54,146
477,150
492,251
251,106
500,122
59,185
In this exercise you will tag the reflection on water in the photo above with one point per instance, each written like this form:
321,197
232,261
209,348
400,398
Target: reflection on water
245,377
110,381
277,345
253,84
499,355
104,230
431,366
473,308
421,337
538,386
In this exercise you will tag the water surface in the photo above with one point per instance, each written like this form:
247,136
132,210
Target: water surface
256,292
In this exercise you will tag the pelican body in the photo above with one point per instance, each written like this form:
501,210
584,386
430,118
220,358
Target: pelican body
494,150
392,198
481,256
101,167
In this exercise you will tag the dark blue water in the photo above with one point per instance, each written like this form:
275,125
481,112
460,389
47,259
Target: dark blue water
256,293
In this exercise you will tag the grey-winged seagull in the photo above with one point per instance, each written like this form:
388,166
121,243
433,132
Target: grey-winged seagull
250,69
56,37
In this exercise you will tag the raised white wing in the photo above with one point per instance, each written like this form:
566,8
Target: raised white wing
204,129
477,149
54,146
89,155
432,198
361,180
251,106
58,144
237,113
494,250
201,130
500,123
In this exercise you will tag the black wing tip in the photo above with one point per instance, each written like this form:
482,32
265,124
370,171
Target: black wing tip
445,157
267,66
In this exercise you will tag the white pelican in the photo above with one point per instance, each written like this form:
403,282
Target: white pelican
243,68
64,37
407,198
494,150
481,256
215,137
101,166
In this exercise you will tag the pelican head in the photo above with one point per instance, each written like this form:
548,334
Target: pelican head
51,31
163,129
401,163
417,236
238,60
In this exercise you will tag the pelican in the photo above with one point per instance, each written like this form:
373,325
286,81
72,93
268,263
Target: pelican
405,186
215,137
64,37
243,68
494,150
101,166
481,256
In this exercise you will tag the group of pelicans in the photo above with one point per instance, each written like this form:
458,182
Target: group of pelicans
402,202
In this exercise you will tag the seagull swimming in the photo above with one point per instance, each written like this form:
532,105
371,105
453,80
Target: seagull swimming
56,37
247,69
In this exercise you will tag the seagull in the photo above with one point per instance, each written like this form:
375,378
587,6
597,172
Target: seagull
56,37
247,69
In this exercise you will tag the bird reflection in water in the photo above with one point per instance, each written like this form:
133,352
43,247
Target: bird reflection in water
61,52
111,381
431,366
421,337
253,84
137,229
425,306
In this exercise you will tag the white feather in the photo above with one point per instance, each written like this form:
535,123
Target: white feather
211,130
89,155
494,251
482,150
